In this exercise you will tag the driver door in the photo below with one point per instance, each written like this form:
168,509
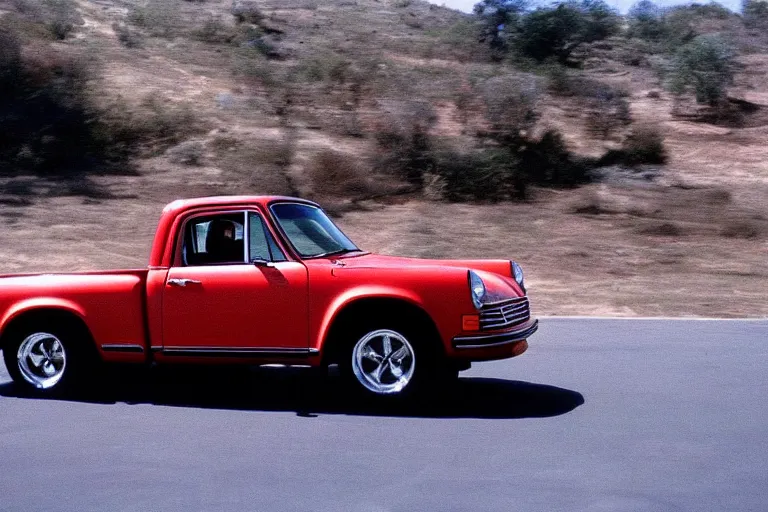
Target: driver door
236,293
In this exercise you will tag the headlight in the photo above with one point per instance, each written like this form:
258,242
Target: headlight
517,272
477,289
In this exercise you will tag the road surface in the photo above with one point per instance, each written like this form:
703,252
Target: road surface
599,415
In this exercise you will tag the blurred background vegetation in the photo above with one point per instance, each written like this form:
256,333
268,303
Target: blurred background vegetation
377,76
606,151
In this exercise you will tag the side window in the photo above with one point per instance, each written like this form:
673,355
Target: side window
214,240
261,245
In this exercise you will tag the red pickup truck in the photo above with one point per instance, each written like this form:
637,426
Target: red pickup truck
265,280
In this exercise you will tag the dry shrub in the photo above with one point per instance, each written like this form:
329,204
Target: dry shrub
743,228
153,125
662,229
641,146
606,105
510,107
222,143
607,114
127,37
58,17
337,174
252,66
160,18
405,146
214,31
247,11
645,146
590,204
717,196
259,168
189,152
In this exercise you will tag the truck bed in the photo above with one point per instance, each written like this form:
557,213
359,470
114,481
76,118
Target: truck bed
110,303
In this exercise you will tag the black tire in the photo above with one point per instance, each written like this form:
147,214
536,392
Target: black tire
429,368
70,373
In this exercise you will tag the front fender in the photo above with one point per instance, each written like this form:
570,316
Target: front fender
358,293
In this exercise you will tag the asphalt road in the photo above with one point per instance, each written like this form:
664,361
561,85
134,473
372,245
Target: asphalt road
599,415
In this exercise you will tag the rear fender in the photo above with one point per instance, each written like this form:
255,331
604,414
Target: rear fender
40,304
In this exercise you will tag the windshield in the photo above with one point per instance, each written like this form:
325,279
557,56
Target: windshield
310,231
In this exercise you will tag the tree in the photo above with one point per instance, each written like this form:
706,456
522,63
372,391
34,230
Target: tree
499,22
559,30
755,12
646,21
705,65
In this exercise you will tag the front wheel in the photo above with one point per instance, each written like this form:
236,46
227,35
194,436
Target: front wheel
384,362
393,361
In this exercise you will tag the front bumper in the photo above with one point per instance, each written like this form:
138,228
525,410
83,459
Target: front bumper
495,340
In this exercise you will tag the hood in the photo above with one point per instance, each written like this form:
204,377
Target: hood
497,274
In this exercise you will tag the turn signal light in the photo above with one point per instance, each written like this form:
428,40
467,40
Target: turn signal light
470,322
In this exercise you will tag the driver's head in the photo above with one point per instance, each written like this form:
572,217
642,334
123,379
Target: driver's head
220,241
221,229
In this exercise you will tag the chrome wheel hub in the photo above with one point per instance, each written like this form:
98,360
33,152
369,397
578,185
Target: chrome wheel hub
383,361
42,360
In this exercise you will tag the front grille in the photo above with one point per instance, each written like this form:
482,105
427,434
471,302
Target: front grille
503,314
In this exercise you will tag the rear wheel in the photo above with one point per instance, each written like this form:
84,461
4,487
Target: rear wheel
47,361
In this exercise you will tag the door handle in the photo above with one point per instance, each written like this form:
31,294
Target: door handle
182,282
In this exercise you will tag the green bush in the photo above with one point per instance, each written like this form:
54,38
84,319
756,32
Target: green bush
483,175
705,67
44,111
495,173
548,162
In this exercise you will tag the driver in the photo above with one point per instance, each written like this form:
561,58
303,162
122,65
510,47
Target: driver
220,243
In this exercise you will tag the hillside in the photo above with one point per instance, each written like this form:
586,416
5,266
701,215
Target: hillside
306,98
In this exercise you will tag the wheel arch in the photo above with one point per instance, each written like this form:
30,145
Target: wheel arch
37,310
356,311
